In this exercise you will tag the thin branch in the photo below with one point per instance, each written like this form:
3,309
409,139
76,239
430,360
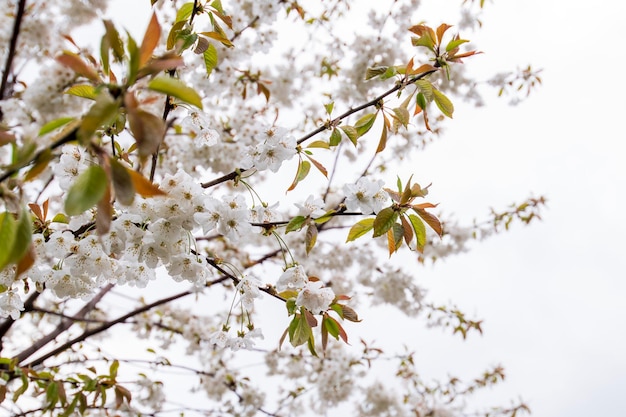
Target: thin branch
12,46
334,122
63,326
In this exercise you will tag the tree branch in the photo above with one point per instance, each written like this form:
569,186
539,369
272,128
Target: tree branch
11,53
334,122
65,324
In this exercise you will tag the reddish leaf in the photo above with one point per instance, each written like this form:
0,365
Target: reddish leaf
78,65
143,186
150,40
430,219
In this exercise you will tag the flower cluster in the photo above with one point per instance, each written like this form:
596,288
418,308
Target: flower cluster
312,295
366,196
275,146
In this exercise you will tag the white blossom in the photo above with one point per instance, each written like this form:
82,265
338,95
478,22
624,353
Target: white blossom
311,207
198,124
315,298
11,304
365,196
294,278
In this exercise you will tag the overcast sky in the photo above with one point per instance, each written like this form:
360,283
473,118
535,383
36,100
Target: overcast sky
552,294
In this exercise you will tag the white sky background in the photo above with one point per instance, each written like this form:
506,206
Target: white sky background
552,295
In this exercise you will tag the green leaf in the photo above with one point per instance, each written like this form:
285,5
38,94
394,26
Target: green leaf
133,61
374,72
114,40
455,43
175,88
319,144
105,47
101,114
420,231
325,217
122,183
184,12
426,88
390,72
173,34
8,226
310,238
83,90
23,237
360,228
295,224
299,331
329,107
335,137
351,133
365,123
384,220
443,102
420,99
54,124
86,191
210,59
402,115
303,170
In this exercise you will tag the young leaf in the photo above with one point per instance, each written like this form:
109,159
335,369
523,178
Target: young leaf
382,143
441,30
365,123
402,115
83,90
430,219
26,261
175,88
443,102
150,40
374,72
384,220
114,40
455,43
295,224
210,59
317,165
420,231
184,12
54,124
122,183
133,59
39,165
22,239
310,237
351,133
303,170
360,228
143,186
335,137
101,114
87,190
8,226
78,65
407,230
299,331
